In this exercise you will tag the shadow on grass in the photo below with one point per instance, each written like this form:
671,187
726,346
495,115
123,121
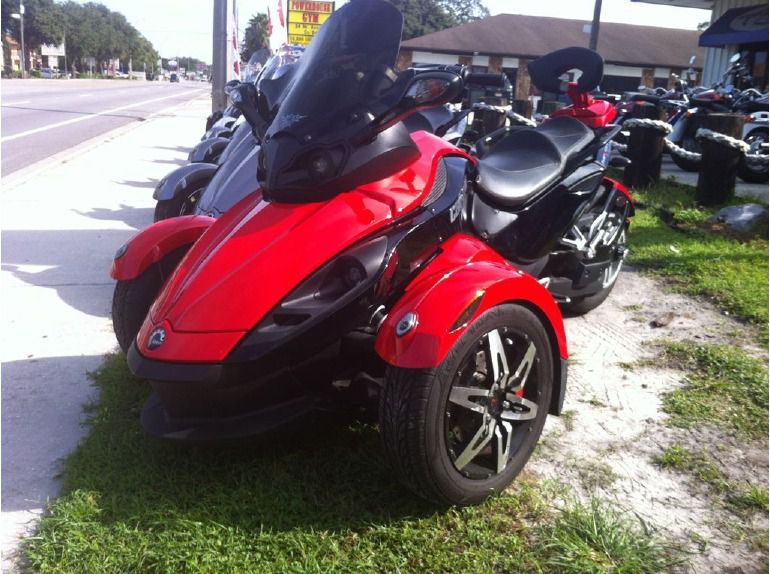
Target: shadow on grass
328,476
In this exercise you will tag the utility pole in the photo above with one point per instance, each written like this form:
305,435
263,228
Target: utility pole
595,25
219,56
21,24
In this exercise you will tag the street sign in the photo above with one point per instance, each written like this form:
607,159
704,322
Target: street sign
305,18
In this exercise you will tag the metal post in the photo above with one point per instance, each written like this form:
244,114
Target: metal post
594,40
219,57
21,20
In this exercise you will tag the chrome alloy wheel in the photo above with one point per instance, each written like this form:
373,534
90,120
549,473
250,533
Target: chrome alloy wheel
618,243
492,403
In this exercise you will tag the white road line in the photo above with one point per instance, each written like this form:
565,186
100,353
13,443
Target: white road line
86,95
82,118
16,103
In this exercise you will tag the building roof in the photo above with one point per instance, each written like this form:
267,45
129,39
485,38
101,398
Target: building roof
532,36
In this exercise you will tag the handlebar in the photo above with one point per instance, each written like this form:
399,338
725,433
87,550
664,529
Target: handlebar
244,98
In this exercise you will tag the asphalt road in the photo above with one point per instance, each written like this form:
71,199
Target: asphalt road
41,118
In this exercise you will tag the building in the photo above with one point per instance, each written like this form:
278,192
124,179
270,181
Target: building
12,58
633,55
736,26
52,56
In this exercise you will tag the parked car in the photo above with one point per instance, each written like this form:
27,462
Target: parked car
119,74
173,78
49,73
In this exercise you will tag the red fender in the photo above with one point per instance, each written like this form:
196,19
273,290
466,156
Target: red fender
152,243
466,270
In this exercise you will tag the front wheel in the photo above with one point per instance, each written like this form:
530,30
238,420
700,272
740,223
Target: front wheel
132,298
752,172
462,431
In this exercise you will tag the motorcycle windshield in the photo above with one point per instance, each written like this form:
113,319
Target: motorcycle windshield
338,74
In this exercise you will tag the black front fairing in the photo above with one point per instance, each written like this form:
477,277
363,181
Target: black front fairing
321,140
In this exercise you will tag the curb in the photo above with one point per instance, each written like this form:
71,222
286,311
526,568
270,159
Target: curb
22,176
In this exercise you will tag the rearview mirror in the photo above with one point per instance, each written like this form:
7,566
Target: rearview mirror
432,89
230,85
735,57
423,90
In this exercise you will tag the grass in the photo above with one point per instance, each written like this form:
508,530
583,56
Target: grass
753,498
670,238
595,538
682,459
568,419
318,500
725,386
740,497
595,474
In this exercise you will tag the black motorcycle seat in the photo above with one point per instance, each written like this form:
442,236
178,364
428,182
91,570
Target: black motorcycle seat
526,161
639,97
569,134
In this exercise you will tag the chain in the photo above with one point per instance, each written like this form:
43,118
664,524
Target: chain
672,148
513,116
722,139
648,123
519,119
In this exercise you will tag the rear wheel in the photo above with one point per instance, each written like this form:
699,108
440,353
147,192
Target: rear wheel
181,204
132,298
462,431
582,305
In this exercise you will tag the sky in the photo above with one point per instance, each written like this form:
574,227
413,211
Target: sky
183,28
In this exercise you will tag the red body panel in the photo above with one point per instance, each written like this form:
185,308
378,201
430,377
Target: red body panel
623,189
152,243
185,347
258,252
444,289
593,113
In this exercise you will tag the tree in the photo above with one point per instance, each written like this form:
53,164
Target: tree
465,10
95,31
42,22
255,36
423,17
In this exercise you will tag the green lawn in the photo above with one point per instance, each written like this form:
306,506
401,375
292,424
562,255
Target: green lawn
319,500
725,387
670,238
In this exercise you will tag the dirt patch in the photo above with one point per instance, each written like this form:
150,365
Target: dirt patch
615,429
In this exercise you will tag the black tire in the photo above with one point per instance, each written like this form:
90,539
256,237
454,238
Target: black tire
132,298
582,305
181,204
420,425
752,173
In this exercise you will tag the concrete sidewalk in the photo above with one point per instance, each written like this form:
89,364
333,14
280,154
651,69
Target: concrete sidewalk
748,191
60,230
